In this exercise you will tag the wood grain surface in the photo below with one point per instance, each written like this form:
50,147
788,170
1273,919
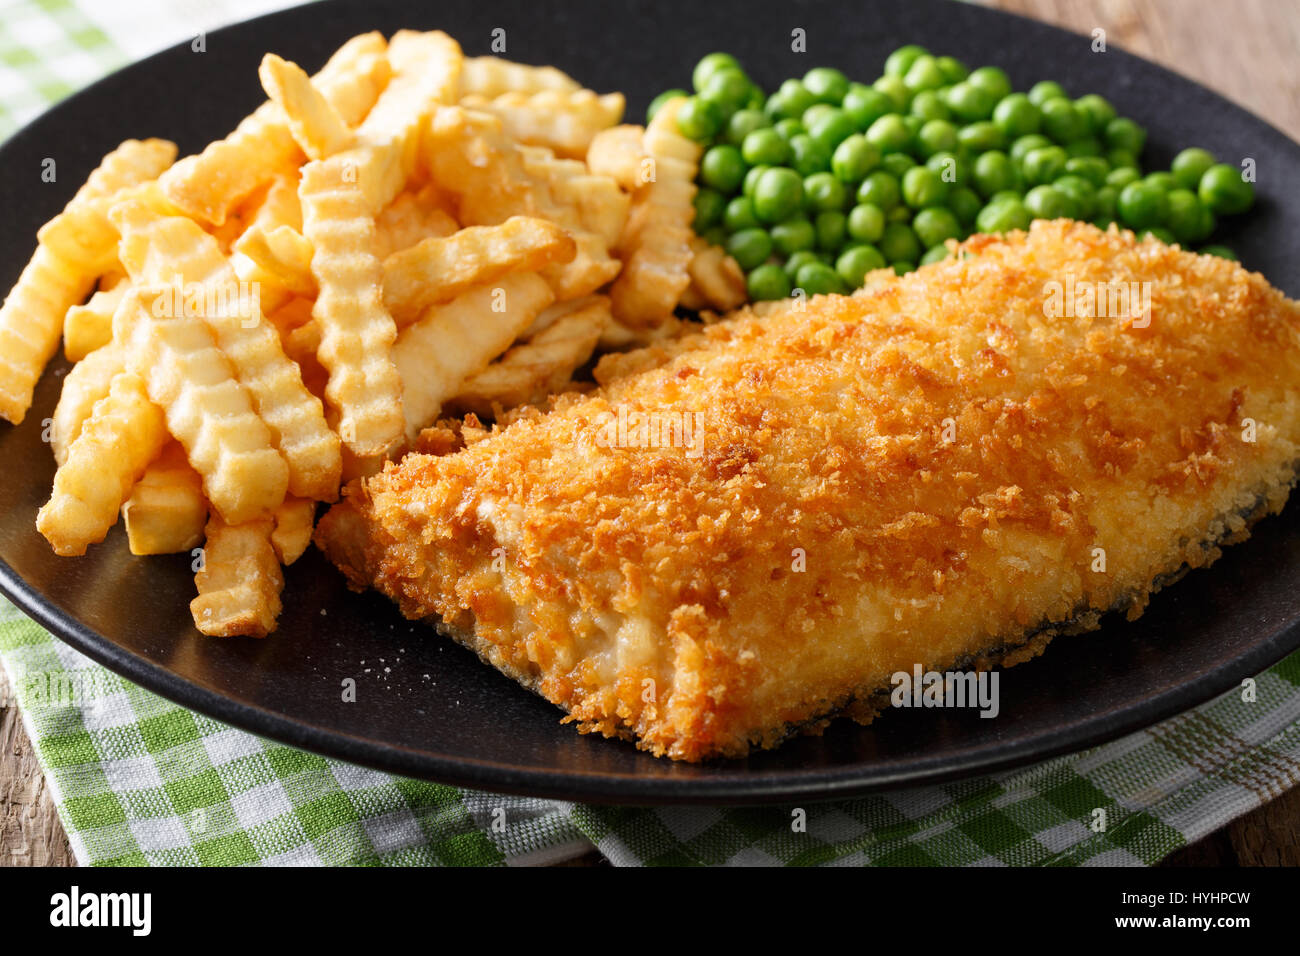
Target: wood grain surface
1245,49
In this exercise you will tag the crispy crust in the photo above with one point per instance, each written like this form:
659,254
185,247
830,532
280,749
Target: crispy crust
945,456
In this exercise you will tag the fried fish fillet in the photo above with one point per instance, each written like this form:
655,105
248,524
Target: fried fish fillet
944,469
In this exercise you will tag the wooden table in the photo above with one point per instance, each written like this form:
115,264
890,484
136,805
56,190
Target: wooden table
1244,49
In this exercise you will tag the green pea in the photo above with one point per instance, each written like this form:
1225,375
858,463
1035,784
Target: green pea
1096,111
965,204
715,236
826,84
1104,202
710,64
831,226
935,224
749,247
889,134
900,213
1005,195
767,281
723,169
1190,165
699,119
895,89
949,166
854,158
902,267
815,112
980,137
1120,158
1122,176
744,122
778,194
899,242
1043,165
934,254
822,191
1224,191
831,129
992,80
817,278
709,206
1062,122
1016,116
923,187
929,105
798,260
793,235
1048,202
1045,90
880,189
1141,205
896,164
936,136
923,74
994,172
856,261
739,215
1223,252
763,147
657,103
1158,232
789,101
953,69
728,90
751,179
788,129
1123,133
1184,216
864,105
901,60
1026,144
1084,148
1092,168
1161,180
808,156
970,102
1003,216
866,223
1081,192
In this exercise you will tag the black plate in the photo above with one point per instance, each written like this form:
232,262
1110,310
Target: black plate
427,708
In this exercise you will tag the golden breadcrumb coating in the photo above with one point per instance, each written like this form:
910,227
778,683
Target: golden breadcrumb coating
922,472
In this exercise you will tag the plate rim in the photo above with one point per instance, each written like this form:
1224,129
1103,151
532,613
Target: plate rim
763,787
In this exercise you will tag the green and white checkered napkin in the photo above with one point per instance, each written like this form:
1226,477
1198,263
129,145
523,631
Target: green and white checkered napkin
139,780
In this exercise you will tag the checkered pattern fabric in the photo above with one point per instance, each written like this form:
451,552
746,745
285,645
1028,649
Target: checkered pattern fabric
138,780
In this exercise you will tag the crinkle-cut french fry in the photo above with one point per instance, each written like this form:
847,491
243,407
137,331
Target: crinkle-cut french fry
457,340
83,387
412,216
618,336
239,582
619,153
90,326
561,120
553,313
207,186
471,157
125,432
531,372
437,270
601,206
295,520
340,198
294,313
175,353
161,250
31,318
277,205
716,278
656,246
82,232
492,76
280,258
314,124
166,510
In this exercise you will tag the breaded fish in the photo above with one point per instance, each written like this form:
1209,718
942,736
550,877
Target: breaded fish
944,469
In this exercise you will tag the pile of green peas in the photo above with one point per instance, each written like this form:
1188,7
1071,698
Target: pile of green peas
824,180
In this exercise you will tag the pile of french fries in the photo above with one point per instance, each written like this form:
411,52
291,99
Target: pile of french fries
407,232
